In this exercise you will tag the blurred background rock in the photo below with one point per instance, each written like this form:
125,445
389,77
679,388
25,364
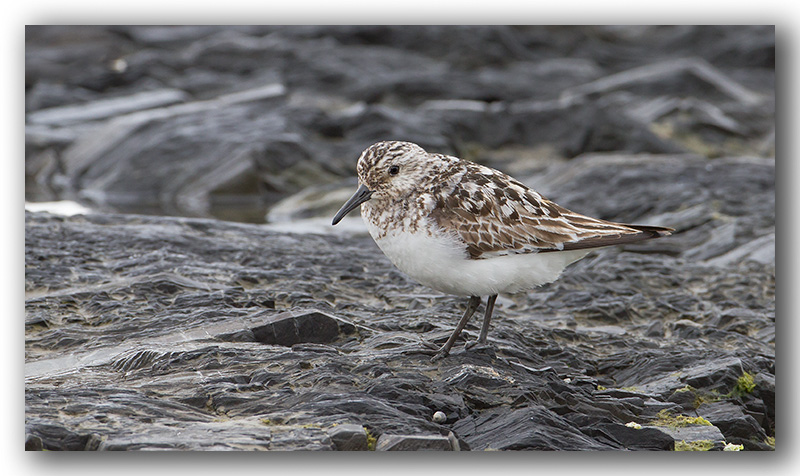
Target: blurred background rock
265,123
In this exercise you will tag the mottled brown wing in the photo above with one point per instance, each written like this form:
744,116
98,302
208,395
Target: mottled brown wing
497,215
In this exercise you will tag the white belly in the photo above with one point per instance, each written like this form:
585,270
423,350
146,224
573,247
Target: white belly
442,263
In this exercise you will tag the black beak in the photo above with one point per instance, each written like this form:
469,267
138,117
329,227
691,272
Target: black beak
362,195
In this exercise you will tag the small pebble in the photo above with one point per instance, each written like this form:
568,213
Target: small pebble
439,417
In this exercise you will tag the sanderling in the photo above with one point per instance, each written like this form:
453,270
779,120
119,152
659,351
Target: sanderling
465,229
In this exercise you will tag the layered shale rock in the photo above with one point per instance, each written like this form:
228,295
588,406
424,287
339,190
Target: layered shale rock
143,330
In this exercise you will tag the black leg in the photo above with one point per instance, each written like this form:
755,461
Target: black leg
473,304
487,318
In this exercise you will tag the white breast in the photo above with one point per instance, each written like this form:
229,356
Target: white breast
441,262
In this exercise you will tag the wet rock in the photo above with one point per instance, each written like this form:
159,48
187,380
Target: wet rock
732,421
760,250
696,74
33,443
58,438
522,430
181,302
686,397
413,443
349,437
709,438
221,436
291,328
642,439
765,390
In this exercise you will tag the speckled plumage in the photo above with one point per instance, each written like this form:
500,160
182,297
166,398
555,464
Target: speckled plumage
492,213
464,228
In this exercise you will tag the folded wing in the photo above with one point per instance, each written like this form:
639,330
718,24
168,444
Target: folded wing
497,215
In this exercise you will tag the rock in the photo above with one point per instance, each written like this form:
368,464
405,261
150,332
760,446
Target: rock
649,76
349,437
96,163
413,443
314,201
522,430
221,436
760,250
33,443
291,328
642,439
765,390
686,397
732,421
707,438
187,305
106,108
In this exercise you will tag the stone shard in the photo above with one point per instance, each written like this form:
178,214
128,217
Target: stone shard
349,437
292,328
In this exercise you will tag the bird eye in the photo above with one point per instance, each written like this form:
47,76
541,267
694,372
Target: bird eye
394,170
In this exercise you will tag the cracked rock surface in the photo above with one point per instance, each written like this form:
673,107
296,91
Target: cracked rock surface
162,332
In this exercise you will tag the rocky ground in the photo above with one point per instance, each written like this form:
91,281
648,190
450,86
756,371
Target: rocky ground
146,331
158,332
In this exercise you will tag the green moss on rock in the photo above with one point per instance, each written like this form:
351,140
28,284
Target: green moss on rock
744,385
699,445
665,418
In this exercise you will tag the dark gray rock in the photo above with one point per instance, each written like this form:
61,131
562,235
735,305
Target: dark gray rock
307,326
33,443
732,421
106,108
413,443
349,437
641,439
522,429
697,434
221,436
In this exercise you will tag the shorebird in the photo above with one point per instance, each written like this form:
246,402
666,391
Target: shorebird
466,229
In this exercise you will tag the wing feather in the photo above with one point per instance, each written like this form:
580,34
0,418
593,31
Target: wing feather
497,215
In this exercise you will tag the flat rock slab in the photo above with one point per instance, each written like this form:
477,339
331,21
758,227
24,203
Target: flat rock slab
413,443
710,437
300,327
349,437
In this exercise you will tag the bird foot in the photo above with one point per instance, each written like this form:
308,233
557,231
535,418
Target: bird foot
476,345
440,355
430,345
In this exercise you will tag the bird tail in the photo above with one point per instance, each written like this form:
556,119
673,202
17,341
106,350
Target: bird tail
646,232
654,231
